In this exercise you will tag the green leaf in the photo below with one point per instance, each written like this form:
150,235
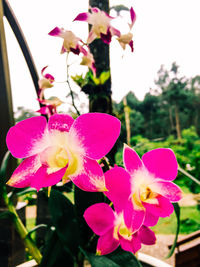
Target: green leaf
117,258
7,215
99,261
64,220
177,212
124,258
54,254
3,168
105,75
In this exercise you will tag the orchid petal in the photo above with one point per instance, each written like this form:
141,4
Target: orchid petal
147,236
132,245
100,217
60,122
22,139
162,163
106,38
91,37
118,186
97,133
90,176
131,45
133,17
132,161
82,16
114,31
25,172
43,178
168,190
164,208
56,32
133,216
107,243
150,219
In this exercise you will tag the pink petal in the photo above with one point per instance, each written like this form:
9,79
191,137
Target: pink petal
90,177
91,37
168,190
163,209
133,15
95,9
131,159
133,216
56,32
118,186
49,77
106,38
22,139
97,133
162,163
25,172
132,245
82,16
100,217
43,179
107,243
147,236
60,122
150,219
114,31
131,45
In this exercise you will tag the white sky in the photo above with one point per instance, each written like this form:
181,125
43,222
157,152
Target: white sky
165,31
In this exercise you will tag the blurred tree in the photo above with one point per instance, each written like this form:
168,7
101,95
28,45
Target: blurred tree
175,92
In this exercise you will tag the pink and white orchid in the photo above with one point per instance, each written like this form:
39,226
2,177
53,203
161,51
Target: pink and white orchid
63,148
71,42
144,189
126,39
45,82
113,231
50,106
101,25
88,60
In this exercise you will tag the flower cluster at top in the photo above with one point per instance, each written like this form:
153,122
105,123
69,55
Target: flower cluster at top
67,149
101,27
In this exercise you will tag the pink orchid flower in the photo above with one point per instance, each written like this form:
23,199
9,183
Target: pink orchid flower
88,60
144,190
63,148
45,82
113,231
126,39
71,42
101,25
50,106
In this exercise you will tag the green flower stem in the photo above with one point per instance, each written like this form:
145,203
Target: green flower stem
21,229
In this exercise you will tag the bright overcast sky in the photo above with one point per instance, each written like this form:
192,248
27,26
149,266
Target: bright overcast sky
165,31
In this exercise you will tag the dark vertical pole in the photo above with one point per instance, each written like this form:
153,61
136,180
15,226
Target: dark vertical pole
101,102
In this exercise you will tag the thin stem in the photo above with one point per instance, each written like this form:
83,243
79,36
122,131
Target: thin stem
189,175
21,229
70,89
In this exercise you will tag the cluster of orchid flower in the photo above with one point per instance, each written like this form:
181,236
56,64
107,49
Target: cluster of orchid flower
68,150
101,28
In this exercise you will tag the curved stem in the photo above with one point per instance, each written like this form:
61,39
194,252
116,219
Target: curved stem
70,89
21,229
